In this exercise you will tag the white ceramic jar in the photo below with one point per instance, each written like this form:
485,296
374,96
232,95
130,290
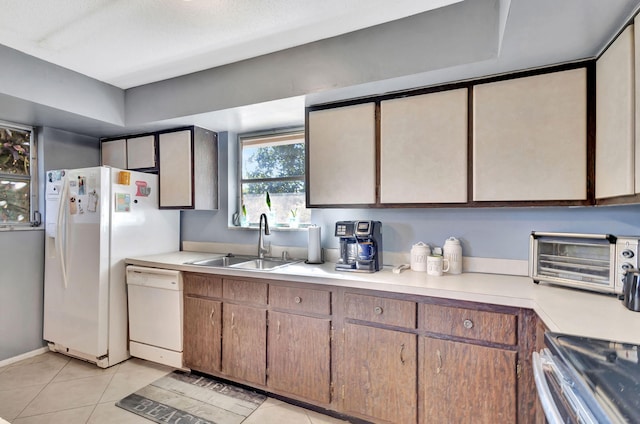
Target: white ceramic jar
452,251
419,253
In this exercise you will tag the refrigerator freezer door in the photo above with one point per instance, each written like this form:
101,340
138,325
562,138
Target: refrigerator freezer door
76,312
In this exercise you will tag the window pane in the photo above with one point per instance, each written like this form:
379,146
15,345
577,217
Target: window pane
272,160
285,197
14,201
14,151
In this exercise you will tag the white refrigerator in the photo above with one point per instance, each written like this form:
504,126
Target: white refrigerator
92,224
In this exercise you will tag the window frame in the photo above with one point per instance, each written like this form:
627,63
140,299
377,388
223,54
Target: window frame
34,218
255,137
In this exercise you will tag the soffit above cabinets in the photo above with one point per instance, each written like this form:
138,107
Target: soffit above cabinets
133,42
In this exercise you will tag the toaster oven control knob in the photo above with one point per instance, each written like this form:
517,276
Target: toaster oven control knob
627,254
626,266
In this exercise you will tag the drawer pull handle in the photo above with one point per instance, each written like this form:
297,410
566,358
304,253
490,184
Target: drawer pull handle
213,311
378,310
439,358
468,324
297,299
402,353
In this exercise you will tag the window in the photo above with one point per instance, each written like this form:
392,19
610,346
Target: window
17,159
272,172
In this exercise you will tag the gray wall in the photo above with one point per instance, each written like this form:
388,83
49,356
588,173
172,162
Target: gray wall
21,293
484,232
22,259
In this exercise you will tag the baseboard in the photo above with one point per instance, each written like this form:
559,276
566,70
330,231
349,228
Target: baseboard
27,355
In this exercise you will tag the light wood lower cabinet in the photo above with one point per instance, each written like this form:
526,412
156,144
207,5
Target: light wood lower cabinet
461,382
299,356
202,334
380,374
244,335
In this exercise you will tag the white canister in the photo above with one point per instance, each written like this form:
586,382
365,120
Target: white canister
452,251
419,253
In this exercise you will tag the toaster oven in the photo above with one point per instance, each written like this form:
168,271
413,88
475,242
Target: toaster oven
595,262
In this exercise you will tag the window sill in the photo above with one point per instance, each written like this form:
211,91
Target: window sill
281,227
9,227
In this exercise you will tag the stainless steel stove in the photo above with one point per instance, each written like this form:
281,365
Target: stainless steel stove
582,380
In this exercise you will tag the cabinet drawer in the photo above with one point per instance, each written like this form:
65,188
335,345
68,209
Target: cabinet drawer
478,325
205,285
380,310
300,300
245,291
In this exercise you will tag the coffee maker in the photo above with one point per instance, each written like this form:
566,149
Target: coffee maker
360,246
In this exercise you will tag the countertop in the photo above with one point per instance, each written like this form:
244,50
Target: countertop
563,310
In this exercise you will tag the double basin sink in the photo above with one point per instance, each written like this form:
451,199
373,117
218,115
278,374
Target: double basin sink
244,262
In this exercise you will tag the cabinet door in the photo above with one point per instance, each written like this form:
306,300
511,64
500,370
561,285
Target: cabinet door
114,153
141,152
299,356
202,331
176,169
341,156
530,138
615,119
424,148
460,382
244,335
380,369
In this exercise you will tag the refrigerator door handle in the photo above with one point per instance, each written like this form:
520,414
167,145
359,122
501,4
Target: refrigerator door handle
59,227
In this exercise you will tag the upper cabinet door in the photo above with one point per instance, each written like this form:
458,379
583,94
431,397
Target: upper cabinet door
615,119
341,156
530,138
424,148
114,153
176,169
141,152
636,50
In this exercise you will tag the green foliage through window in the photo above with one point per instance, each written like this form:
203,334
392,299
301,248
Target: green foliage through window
15,175
273,164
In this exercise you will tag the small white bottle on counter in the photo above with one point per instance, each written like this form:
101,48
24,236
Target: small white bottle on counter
452,251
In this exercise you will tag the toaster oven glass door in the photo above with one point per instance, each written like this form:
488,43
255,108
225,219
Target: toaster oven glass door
587,261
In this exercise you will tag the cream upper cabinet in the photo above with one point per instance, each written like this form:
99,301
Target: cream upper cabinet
636,50
423,152
615,119
341,156
530,138
130,153
188,169
141,152
114,153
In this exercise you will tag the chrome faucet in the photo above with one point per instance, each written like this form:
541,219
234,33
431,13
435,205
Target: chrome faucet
261,249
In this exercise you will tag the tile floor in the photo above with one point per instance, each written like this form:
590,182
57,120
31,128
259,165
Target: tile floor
52,388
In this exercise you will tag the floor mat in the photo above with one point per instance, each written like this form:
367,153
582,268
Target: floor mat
186,398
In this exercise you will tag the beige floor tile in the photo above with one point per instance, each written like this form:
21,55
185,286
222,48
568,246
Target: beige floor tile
76,368
133,375
109,413
13,401
68,395
34,371
278,414
69,416
47,356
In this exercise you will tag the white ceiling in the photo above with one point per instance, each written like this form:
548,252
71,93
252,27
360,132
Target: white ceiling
129,43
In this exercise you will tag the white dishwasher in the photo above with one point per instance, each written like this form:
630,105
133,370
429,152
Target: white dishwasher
155,314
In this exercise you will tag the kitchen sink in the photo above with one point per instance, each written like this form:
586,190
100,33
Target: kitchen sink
265,264
220,262
244,262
